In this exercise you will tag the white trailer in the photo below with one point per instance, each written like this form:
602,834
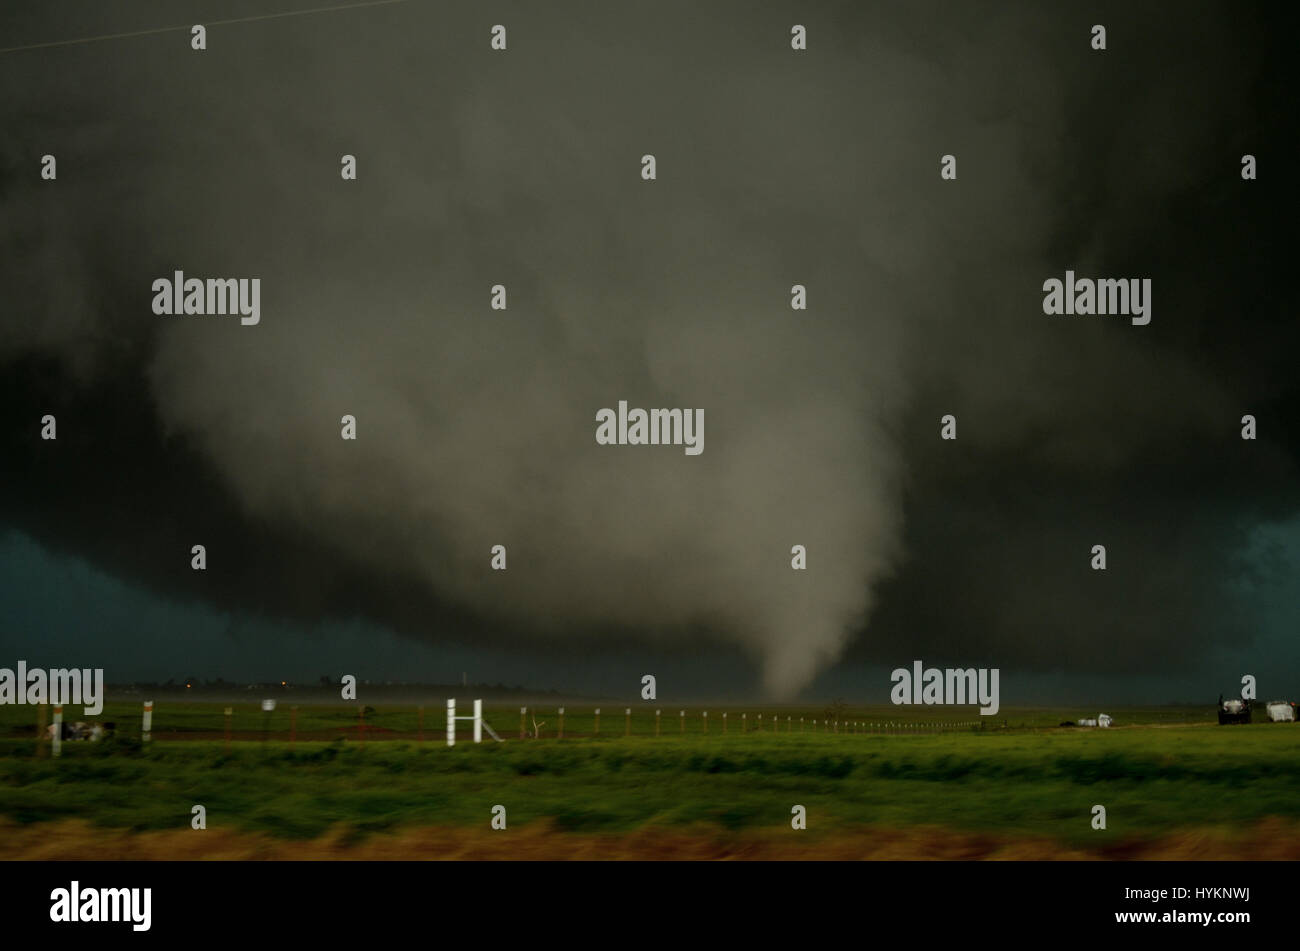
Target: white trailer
1281,711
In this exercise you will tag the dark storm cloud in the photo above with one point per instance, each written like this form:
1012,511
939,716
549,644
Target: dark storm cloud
476,427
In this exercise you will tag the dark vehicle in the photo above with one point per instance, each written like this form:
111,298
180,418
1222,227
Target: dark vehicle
1233,711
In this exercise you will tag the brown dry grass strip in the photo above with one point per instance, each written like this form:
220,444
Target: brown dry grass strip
1272,839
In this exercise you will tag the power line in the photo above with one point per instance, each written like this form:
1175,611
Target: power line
187,26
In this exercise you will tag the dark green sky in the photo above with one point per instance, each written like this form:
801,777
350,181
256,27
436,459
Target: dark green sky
476,427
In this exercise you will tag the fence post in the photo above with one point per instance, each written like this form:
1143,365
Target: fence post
522,711
743,724
598,721
56,747
451,721
627,724
478,721
724,722
146,723
561,735
706,722
656,723
40,730
682,717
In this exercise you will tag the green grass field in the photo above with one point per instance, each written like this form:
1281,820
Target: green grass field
1028,778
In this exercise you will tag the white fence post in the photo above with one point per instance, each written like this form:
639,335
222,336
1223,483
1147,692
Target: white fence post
477,718
57,744
147,723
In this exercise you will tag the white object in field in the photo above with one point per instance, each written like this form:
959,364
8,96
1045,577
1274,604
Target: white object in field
1103,720
268,705
1087,723
57,746
1233,706
1279,711
477,718
147,723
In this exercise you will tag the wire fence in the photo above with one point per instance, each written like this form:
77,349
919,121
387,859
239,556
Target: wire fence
149,722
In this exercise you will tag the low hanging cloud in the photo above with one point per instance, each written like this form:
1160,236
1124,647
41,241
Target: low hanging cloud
476,426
